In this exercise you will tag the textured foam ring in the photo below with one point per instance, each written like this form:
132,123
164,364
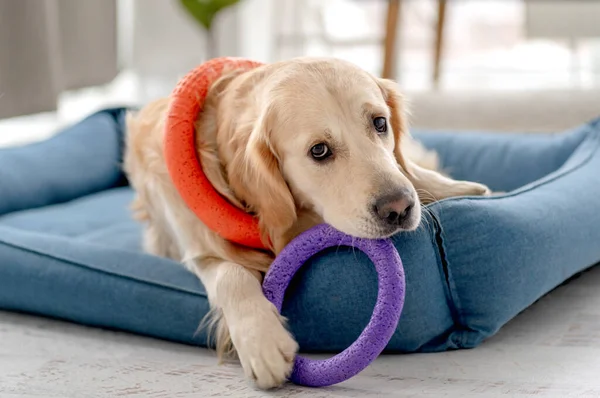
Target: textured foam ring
182,161
386,314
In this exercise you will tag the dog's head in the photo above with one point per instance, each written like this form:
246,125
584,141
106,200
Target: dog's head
325,136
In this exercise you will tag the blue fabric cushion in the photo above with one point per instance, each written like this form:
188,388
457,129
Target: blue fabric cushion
69,249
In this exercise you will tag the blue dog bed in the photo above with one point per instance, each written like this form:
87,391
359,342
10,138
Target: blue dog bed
69,249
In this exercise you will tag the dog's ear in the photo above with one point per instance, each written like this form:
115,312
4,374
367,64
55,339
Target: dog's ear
257,180
399,116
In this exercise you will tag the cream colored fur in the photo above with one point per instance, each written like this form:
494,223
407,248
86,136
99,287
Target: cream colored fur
254,138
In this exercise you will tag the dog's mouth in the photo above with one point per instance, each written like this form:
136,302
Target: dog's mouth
384,232
388,232
368,228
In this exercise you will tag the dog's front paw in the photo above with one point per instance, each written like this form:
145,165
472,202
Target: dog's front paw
475,189
485,191
265,348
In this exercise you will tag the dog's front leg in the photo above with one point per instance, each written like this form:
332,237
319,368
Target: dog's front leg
265,348
432,186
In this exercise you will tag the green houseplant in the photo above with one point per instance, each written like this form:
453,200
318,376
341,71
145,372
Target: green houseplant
204,13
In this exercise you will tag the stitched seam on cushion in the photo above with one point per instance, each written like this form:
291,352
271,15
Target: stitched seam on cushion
102,271
455,304
531,187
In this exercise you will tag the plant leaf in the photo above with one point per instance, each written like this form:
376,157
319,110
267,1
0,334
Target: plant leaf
204,11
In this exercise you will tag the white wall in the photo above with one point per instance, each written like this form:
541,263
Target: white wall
573,19
256,29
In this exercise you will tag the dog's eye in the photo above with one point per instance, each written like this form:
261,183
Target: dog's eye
320,151
380,124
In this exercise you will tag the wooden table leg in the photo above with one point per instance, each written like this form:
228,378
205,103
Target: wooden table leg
389,48
439,42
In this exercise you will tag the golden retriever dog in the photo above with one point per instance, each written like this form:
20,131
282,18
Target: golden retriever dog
295,143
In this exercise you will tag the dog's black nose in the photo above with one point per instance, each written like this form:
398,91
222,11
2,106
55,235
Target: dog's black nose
395,207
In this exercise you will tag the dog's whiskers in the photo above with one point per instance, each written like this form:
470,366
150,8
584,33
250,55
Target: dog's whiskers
429,197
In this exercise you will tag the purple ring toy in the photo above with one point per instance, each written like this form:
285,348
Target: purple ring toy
386,314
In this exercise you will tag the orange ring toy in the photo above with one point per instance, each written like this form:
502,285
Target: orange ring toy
187,100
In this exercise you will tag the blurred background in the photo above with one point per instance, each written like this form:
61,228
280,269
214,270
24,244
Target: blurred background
465,64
